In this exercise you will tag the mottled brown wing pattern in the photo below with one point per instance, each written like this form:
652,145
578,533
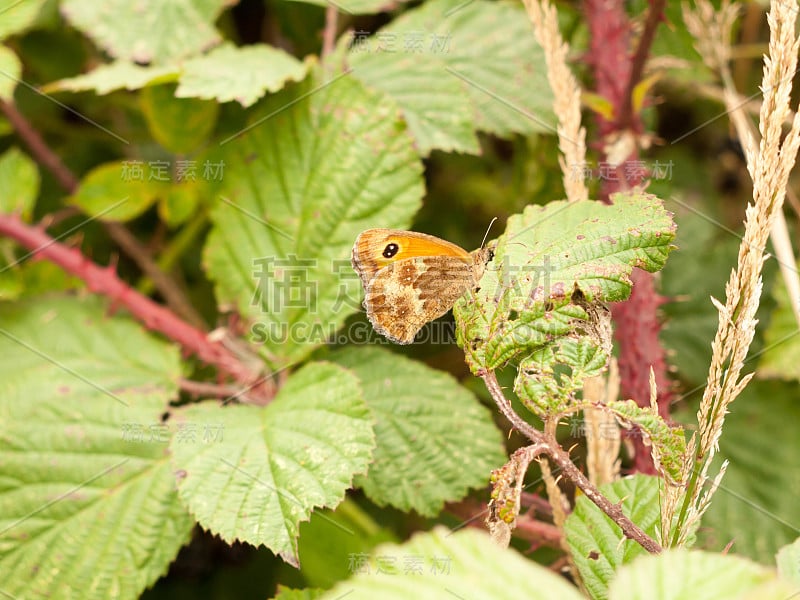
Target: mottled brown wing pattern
405,295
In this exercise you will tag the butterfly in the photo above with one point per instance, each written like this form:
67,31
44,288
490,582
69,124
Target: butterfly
411,278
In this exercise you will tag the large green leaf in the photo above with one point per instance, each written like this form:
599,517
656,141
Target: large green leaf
266,469
788,562
442,564
320,162
118,75
88,507
683,575
227,73
290,594
17,15
242,74
356,7
451,68
344,532
756,504
147,30
551,264
597,544
423,417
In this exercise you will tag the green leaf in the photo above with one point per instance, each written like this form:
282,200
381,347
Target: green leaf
11,71
18,15
438,111
551,263
26,278
11,285
326,160
179,125
242,74
19,180
121,190
788,561
226,73
268,468
306,594
441,564
670,442
88,507
423,417
147,31
347,531
681,574
180,203
357,7
597,544
118,75
755,505
781,339
450,67
549,378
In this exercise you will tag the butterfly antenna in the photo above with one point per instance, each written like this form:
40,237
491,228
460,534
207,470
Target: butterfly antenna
485,235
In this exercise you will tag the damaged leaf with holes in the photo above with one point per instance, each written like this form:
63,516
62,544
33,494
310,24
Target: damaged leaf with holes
551,263
549,378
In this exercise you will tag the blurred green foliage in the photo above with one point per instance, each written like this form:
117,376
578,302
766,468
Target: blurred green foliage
706,186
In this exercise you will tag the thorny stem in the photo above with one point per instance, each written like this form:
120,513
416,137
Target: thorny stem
563,461
175,298
105,281
616,73
172,294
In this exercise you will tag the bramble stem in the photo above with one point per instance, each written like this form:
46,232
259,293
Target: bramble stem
557,454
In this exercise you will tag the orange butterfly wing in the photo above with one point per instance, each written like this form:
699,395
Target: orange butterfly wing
412,278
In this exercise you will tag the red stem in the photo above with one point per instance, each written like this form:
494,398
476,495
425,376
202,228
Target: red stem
105,281
616,74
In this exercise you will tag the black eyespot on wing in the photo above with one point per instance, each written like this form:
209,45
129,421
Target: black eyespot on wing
390,250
